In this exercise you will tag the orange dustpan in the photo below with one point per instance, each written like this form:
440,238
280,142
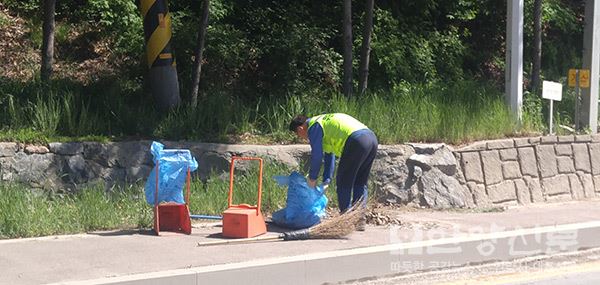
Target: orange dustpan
172,216
243,220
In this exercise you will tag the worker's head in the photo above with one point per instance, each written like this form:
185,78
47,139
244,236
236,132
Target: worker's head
299,126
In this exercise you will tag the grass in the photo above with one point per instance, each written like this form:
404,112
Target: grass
30,213
210,197
457,113
110,109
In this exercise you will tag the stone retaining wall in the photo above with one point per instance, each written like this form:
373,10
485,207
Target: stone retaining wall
532,170
502,172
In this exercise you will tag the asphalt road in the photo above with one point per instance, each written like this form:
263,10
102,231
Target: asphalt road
582,268
581,278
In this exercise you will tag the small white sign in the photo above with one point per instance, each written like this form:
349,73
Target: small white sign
551,90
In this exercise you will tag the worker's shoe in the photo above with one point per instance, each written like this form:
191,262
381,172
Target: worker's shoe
362,224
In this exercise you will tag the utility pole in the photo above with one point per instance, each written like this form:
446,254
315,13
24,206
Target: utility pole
162,74
591,59
514,57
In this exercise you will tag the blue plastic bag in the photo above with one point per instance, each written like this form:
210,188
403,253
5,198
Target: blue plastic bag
305,206
172,173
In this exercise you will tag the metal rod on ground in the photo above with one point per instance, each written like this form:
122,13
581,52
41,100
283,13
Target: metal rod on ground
238,241
206,217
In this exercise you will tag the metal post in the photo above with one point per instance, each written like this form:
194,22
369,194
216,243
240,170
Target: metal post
577,100
514,57
551,130
591,59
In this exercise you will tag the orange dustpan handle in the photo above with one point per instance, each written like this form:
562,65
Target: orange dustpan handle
231,171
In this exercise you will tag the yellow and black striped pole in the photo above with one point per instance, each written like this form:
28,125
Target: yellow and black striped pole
162,73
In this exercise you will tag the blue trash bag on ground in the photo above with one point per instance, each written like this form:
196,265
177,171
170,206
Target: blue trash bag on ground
305,206
172,174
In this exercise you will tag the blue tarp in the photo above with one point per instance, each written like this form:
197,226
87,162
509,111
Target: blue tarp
172,173
305,206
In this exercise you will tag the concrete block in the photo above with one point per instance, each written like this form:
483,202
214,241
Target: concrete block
588,184
522,142
479,195
471,165
597,183
502,192
566,139
501,144
523,195
511,170
535,189
559,198
565,165
547,160
508,154
478,146
492,167
595,157
528,161
549,139
583,138
576,187
556,185
535,141
564,149
582,157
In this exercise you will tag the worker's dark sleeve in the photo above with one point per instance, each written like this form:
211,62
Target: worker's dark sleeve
315,138
329,167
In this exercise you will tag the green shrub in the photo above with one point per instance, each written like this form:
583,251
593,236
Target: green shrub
46,114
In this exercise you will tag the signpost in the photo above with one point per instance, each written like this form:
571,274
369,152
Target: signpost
553,92
578,78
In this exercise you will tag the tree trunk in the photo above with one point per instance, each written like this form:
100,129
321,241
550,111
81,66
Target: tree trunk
198,54
48,40
537,45
366,48
347,48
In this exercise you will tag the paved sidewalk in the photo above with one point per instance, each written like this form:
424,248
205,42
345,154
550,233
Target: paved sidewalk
123,253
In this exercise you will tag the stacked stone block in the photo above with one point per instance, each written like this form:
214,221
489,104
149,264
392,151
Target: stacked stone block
532,170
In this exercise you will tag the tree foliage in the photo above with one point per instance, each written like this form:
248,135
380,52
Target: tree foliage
272,48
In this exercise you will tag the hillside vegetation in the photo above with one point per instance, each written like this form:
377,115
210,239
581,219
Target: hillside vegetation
435,74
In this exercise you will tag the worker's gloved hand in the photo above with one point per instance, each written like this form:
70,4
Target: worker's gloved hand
312,183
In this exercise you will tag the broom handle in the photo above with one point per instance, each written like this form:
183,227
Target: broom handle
239,241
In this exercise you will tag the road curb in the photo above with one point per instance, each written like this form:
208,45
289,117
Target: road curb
377,261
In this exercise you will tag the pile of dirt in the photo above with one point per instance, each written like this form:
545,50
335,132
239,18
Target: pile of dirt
18,58
380,219
378,214
81,57
386,214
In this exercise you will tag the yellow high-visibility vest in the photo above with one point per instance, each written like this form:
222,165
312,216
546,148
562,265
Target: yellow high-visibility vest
337,127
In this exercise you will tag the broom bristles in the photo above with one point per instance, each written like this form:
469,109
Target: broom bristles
341,226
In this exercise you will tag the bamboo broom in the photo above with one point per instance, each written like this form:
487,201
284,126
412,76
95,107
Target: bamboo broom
334,228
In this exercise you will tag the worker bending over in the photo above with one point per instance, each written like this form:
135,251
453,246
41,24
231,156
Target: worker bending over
340,135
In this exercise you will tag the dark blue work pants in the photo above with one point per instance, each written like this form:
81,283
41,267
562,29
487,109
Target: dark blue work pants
354,167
